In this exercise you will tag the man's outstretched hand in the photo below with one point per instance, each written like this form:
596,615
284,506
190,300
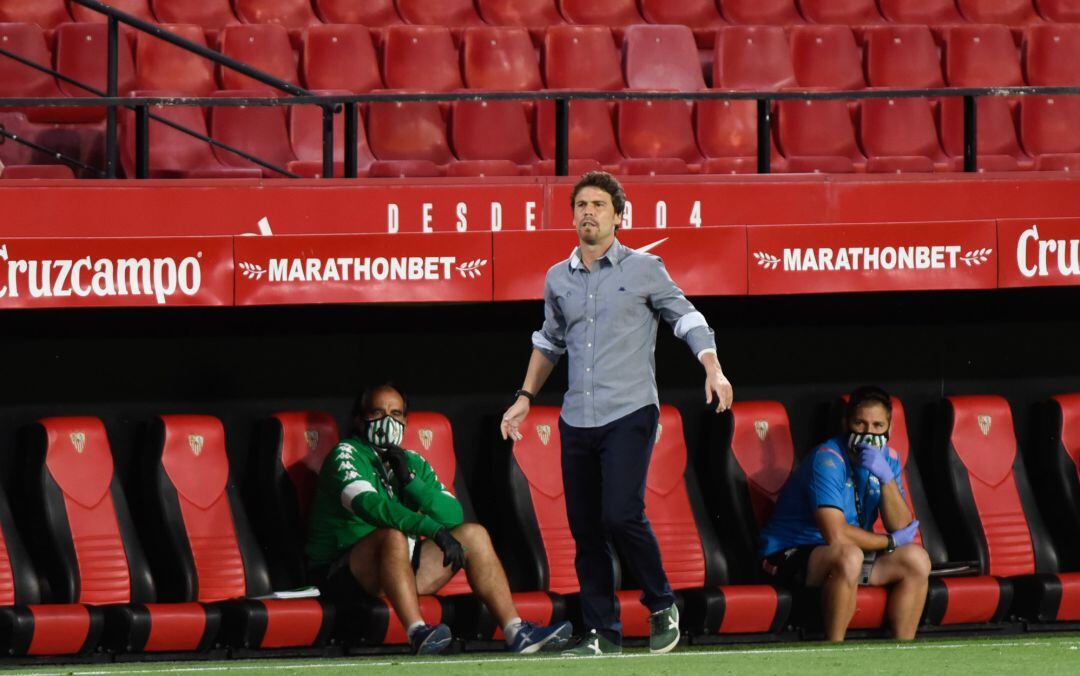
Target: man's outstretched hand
717,383
512,419
453,552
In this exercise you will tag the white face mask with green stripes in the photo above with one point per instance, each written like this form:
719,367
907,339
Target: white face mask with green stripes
384,432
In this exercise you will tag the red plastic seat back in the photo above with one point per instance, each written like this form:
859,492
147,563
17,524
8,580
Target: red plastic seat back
996,129
408,131
752,57
28,41
500,57
420,57
450,13
899,127
263,46
981,56
567,47
657,129
45,13
172,152
762,448
166,67
370,13
761,12
81,54
138,8
527,13
932,12
1048,124
613,13
697,14
491,130
817,129
306,439
662,57
1062,11
826,56
260,131
37,171
537,455
209,14
845,12
592,131
1052,55
1008,12
902,56
340,57
306,134
287,13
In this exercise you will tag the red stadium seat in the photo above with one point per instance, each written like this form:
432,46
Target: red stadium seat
574,167
405,169
817,136
262,46
305,135
211,15
28,41
454,14
567,47
34,628
536,15
1062,11
492,130
16,154
174,154
650,130
500,57
899,135
846,12
981,56
138,8
259,131
996,518
37,171
826,56
997,143
204,539
47,14
162,66
1049,131
80,510
902,56
727,136
421,57
702,16
1056,472
370,13
615,14
761,12
592,133
408,132
81,55
1052,55
288,13
1008,12
933,12
752,57
662,57
340,56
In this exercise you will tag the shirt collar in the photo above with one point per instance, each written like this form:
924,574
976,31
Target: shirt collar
615,254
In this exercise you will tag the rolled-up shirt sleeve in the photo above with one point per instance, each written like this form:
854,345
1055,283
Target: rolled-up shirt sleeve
668,299
551,338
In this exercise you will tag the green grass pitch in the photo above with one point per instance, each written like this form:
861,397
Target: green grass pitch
1025,655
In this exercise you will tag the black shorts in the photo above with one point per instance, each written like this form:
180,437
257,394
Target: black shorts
334,579
789,565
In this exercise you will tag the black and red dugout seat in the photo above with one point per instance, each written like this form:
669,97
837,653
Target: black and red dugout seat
28,626
996,508
207,545
692,558
1056,471
91,552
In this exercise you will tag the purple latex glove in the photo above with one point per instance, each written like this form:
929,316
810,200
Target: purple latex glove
906,535
874,460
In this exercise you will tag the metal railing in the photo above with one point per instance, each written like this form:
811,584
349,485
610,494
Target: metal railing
347,104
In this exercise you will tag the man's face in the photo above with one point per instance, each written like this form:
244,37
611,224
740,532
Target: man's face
869,418
387,402
594,216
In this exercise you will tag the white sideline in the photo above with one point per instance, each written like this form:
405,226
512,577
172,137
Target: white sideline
444,661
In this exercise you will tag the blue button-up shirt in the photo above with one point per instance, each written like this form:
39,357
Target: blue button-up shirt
606,320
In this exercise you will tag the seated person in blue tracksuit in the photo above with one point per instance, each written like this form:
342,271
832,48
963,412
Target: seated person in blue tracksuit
821,533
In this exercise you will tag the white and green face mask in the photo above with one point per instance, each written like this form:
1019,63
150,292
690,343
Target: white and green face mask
856,438
384,432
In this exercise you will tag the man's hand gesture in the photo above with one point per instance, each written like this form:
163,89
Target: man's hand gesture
512,419
716,382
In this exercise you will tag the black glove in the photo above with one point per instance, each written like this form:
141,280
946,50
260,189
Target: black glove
453,552
399,464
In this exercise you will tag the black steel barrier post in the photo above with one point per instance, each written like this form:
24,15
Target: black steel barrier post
142,142
562,137
110,122
351,133
328,141
764,136
971,128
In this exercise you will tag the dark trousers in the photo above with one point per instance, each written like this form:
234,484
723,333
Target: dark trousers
604,470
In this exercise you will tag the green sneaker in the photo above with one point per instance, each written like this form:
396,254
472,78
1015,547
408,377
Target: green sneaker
664,630
592,644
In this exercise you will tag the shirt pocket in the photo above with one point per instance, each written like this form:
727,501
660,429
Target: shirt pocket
623,307
572,306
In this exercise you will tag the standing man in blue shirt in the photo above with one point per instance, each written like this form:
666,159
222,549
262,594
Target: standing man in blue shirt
821,533
602,307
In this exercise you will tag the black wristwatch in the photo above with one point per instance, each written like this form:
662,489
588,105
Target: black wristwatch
891,547
525,393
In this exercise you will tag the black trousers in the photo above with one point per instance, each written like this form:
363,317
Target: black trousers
604,470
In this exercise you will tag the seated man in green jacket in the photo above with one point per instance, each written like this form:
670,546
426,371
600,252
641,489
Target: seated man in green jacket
382,517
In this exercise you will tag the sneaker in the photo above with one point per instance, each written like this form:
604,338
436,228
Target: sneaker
430,640
664,630
530,638
593,644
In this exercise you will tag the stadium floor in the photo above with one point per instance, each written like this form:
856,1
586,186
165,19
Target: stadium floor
1056,654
